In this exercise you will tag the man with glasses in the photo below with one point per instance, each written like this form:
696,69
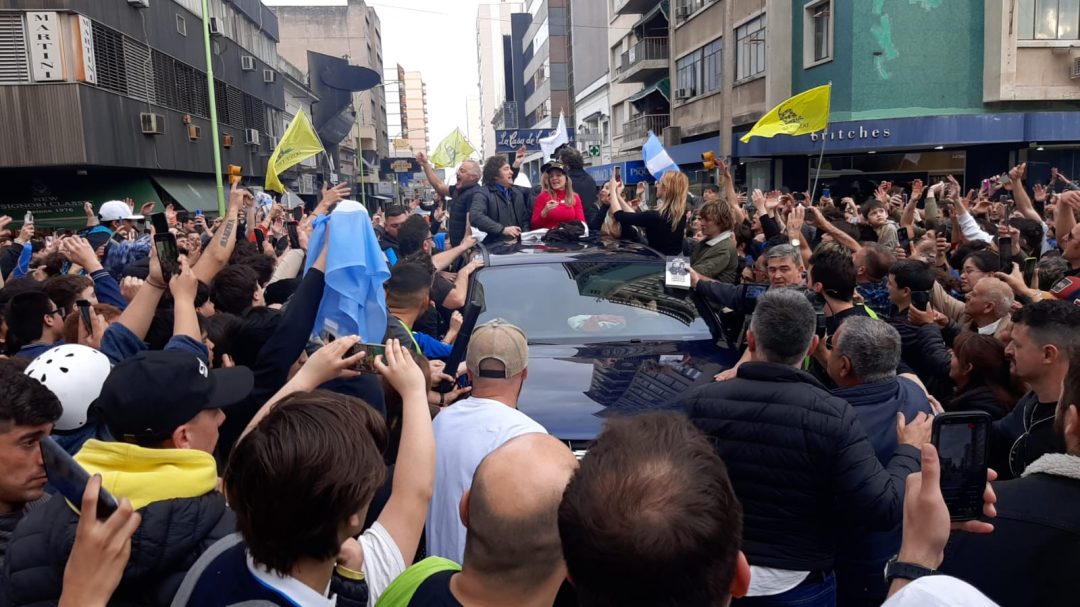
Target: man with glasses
35,324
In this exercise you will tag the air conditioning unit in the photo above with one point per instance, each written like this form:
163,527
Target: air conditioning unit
269,76
216,27
139,3
683,11
251,137
272,142
1074,73
247,63
152,124
194,132
683,94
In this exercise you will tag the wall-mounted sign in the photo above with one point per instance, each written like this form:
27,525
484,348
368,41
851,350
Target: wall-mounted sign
510,140
632,171
87,63
400,165
46,62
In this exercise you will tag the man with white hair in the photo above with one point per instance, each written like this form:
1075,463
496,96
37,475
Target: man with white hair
468,182
988,306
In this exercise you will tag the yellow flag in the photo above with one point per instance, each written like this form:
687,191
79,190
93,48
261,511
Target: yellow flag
452,150
802,114
297,145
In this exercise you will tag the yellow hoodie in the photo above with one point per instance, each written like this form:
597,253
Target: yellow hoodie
145,476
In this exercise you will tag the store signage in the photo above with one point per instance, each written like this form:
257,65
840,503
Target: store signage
632,171
850,134
507,141
44,37
86,45
400,165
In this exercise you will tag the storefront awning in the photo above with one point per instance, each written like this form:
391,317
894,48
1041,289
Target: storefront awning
192,193
662,87
57,198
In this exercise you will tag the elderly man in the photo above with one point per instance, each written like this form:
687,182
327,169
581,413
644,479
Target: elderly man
468,182
986,311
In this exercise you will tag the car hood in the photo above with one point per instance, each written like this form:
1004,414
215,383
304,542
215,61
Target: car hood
571,389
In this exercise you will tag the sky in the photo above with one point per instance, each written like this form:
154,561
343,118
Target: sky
436,38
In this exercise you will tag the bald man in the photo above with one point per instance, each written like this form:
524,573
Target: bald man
512,551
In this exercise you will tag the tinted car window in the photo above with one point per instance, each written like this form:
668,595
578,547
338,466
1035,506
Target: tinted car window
594,302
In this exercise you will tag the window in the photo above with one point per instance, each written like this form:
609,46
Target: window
688,75
817,32
750,49
541,36
1049,20
181,25
713,68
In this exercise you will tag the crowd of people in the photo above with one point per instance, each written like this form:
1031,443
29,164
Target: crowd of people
273,412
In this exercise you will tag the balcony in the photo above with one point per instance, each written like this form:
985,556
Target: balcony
636,131
633,7
646,60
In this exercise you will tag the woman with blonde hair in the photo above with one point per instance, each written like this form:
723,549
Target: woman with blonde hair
557,203
666,226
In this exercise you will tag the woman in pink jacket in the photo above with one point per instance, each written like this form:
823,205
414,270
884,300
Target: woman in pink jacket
557,202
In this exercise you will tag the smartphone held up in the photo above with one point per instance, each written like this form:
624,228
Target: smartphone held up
962,440
165,245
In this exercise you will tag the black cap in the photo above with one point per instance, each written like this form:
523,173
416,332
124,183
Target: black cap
148,396
554,165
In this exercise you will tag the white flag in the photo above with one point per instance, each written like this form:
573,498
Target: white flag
554,140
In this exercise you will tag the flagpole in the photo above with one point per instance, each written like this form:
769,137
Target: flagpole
817,173
214,133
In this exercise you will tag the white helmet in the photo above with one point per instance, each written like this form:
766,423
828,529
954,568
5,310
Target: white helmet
75,375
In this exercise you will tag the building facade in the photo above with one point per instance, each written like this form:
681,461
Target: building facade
493,51
351,31
549,88
398,143
414,112
589,71
107,100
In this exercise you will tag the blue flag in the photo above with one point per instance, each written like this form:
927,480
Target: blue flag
656,157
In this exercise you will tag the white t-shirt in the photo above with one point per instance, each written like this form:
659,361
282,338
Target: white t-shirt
464,434
938,591
383,562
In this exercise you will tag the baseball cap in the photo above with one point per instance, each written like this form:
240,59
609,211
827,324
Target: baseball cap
148,396
554,165
115,210
502,342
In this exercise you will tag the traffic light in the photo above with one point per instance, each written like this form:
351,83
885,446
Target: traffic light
708,159
234,174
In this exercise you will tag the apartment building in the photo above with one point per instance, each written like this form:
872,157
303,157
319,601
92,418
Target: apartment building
414,112
494,28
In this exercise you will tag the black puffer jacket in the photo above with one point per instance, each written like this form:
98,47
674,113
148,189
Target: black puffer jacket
172,535
799,462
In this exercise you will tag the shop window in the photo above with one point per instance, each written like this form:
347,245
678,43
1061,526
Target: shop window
750,49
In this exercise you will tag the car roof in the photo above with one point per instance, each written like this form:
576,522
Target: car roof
516,253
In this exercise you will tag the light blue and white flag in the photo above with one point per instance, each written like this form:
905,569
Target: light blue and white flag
656,157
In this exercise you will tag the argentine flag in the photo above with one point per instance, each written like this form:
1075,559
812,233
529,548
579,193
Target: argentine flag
657,160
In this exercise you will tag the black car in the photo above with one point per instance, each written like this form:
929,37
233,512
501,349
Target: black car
606,336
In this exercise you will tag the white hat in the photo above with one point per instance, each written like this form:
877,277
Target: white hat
75,374
115,210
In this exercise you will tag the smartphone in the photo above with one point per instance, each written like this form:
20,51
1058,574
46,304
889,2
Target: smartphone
84,312
298,213
985,185
920,299
198,213
260,239
826,193
28,218
618,174
294,234
165,245
1004,179
962,440
463,381
366,364
69,478
1005,253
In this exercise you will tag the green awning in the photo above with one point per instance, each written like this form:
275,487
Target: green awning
663,87
661,7
56,198
192,193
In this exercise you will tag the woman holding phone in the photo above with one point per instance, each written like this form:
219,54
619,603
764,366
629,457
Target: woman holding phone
664,227
557,202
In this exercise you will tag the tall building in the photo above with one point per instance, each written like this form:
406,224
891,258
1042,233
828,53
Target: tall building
639,51
493,49
351,31
549,90
393,81
589,72
106,100
414,112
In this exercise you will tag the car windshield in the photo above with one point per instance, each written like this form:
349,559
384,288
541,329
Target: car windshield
593,302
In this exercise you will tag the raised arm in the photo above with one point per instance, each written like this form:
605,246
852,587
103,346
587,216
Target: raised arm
184,287
1065,216
1020,195
216,254
429,171
414,471
444,259
818,220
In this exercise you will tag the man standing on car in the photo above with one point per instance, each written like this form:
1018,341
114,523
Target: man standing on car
500,209
460,194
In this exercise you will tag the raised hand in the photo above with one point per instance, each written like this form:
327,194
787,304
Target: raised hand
400,370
